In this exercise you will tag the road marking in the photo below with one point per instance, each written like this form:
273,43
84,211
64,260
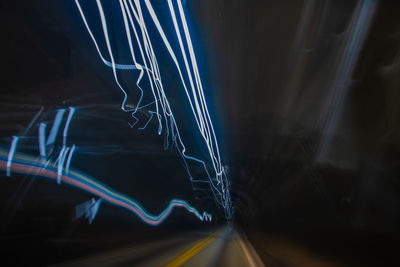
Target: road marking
191,252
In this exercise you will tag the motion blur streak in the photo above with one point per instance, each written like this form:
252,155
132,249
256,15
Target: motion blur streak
56,126
88,209
351,47
11,154
134,21
25,165
65,132
42,139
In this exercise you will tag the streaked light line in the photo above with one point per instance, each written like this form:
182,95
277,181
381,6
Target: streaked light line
88,184
71,152
136,31
11,153
65,132
56,126
106,62
60,160
42,139
88,209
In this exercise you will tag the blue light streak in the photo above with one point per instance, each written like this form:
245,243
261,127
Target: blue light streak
71,153
65,132
60,162
56,126
88,209
59,171
144,60
27,165
42,139
11,153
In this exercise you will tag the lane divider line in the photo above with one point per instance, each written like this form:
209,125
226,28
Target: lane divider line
192,251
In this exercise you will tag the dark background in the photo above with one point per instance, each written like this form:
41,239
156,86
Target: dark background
313,162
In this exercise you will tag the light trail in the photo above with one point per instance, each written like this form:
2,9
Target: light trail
71,152
65,132
88,209
42,139
138,16
59,170
60,162
56,126
26,165
11,154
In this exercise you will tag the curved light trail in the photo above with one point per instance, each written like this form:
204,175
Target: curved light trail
138,16
23,164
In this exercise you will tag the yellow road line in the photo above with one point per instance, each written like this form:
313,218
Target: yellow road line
191,252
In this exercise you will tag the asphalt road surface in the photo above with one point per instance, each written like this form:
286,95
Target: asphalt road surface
224,247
